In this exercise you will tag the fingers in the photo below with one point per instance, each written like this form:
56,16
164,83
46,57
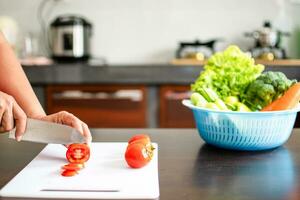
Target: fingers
86,133
80,126
2,110
7,121
20,120
10,111
69,119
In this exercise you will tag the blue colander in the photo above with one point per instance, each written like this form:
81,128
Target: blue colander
243,130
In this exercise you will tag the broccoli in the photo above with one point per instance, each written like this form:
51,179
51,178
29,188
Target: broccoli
265,89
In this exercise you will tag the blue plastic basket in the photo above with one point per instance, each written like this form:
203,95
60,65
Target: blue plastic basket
243,130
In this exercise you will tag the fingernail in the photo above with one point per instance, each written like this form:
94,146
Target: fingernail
19,138
89,142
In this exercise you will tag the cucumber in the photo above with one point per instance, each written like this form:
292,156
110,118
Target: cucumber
198,100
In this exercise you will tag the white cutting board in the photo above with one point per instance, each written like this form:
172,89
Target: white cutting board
106,170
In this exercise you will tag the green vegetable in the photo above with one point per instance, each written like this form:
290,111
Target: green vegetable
228,73
208,94
198,100
242,107
265,89
231,102
221,105
208,99
211,105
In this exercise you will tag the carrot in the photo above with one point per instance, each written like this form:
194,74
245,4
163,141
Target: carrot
288,100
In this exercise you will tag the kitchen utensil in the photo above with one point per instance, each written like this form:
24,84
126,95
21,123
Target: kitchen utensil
105,176
243,130
267,42
266,36
47,132
70,38
196,50
31,48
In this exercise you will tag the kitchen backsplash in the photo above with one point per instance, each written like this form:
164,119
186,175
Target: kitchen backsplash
148,31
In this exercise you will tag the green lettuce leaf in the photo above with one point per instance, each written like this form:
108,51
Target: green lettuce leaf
228,73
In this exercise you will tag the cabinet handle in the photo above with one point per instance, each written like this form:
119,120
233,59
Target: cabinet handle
177,95
134,95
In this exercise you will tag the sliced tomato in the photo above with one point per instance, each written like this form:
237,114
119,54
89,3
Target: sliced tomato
137,155
73,166
69,172
78,153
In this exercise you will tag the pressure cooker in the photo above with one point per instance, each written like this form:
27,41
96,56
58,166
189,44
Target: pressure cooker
70,38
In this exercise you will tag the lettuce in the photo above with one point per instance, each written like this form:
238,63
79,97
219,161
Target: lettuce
228,73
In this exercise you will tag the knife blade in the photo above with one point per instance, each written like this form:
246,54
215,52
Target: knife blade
49,132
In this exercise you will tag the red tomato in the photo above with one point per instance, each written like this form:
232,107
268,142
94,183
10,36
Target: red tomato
137,137
137,155
78,153
69,172
73,166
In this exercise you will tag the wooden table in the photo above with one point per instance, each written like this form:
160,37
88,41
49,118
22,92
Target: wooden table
191,169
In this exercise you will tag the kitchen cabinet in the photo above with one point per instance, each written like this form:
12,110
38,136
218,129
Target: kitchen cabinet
162,87
100,105
172,114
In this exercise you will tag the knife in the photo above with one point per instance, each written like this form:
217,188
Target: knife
49,132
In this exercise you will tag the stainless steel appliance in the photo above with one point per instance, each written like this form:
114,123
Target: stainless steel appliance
196,50
267,42
70,37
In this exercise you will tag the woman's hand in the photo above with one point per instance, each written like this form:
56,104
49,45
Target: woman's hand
11,115
69,119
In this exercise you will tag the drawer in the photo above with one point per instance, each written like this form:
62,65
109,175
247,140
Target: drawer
109,106
172,114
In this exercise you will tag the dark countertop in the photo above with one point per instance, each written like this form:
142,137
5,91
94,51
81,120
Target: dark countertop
110,74
190,169
150,74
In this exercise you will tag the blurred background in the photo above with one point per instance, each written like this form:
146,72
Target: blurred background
142,31
129,63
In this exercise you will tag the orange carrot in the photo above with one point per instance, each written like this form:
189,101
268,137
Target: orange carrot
288,100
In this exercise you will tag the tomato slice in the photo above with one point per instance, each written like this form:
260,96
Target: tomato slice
137,155
73,166
78,153
69,172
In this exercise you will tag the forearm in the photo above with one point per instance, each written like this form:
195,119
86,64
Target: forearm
14,82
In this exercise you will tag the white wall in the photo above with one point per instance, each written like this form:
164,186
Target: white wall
148,31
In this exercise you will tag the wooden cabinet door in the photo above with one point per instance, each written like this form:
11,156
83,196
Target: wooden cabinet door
172,114
107,106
